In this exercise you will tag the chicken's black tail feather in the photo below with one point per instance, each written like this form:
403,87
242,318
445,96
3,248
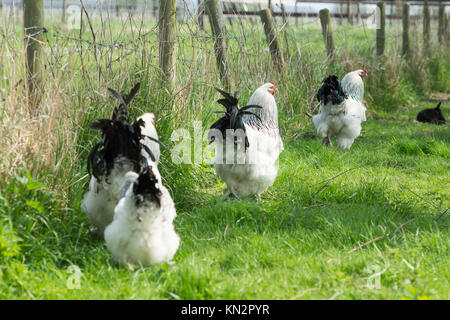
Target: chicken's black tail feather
119,140
331,90
120,113
233,116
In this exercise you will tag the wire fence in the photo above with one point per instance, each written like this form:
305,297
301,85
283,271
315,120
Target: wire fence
118,42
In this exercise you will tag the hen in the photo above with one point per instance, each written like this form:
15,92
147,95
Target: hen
142,231
341,109
248,143
124,147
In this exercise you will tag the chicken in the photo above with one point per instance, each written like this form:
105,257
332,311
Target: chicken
142,231
432,115
341,109
125,147
248,143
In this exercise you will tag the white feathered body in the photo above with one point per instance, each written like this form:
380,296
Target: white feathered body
143,235
149,130
102,197
99,202
255,168
343,120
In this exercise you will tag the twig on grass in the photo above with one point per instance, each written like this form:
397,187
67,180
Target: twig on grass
334,177
431,204
326,181
440,216
315,206
200,239
338,293
366,243
362,245
306,291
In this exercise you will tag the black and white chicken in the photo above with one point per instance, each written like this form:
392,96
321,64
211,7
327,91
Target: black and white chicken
142,231
124,147
248,142
341,109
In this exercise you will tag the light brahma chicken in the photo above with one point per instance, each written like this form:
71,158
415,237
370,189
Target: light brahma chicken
124,147
341,109
142,231
248,142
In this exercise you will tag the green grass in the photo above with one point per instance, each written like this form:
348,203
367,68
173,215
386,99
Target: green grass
279,247
296,241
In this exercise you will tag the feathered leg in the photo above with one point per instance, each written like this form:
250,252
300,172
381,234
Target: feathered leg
327,141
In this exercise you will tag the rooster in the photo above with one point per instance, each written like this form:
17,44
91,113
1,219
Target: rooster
341,109
124,147
247,161
142,231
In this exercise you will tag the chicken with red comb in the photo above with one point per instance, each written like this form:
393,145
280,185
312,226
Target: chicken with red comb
341,110
248,166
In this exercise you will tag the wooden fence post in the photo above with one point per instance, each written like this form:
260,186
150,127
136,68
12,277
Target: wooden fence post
349,12
215,16
441,27
201,12
33,24
381,24
167,38
446,29
285,35
117,7
426,26
155,9
327,33
406,25
272,39
64,7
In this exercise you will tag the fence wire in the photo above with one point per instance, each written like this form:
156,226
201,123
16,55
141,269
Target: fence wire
119,43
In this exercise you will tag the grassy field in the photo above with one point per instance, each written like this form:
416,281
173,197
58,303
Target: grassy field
295,242
368,223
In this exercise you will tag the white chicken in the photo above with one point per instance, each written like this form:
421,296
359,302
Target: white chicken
142,231
125,147
248,143
341,109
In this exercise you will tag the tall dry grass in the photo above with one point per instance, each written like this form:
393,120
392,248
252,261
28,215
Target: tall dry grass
54,144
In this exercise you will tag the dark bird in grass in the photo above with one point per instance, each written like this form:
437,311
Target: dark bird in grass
432,115
124,147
